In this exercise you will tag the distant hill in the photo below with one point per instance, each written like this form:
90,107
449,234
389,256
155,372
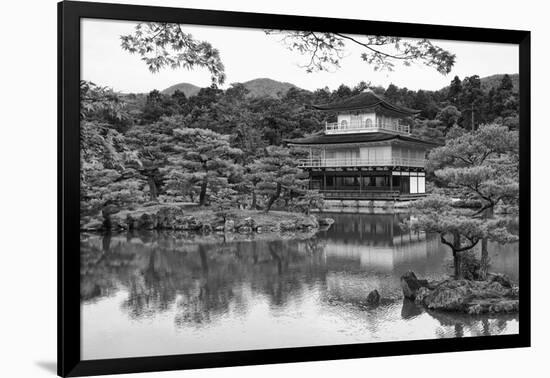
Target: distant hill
267,88
188,89
257,88
494,80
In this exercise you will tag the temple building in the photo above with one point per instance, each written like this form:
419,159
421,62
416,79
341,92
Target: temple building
368,153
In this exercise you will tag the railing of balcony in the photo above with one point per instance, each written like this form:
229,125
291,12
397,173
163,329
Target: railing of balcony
359,125
369,194
358,162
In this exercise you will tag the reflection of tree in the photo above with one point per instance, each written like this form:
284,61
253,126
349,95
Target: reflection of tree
100,264
454,324
292,266
210,296
203,280
152,290
460,324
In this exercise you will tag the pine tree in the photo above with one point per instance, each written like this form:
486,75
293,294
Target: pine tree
278,171
449,116
155,144
455,90
201,155
109,178
470,100
481,165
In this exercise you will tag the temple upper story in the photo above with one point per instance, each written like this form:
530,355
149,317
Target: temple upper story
367,112
368,153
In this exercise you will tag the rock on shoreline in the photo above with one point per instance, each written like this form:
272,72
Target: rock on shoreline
495,295
173,217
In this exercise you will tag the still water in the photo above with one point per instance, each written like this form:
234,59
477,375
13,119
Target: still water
150,293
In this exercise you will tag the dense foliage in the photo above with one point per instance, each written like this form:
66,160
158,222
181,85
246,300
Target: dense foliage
480,166
226,146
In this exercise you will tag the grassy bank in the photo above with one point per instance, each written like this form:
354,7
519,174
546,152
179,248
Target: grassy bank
192,218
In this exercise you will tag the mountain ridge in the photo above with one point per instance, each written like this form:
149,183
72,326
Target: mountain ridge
260,87
266,87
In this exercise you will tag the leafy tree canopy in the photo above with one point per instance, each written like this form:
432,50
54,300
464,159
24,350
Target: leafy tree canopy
167,45
325,51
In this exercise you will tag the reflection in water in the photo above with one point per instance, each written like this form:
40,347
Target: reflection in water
156,293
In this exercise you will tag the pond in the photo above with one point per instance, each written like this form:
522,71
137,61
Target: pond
156,293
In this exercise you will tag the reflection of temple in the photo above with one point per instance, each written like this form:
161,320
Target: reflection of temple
378,242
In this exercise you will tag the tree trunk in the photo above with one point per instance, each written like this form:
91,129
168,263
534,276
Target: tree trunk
457,258
254,200
202,195
473,128
457,261
153,190
484,262
274,197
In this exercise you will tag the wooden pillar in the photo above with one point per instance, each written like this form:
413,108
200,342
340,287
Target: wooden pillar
391,182
360,181
324,180
410,186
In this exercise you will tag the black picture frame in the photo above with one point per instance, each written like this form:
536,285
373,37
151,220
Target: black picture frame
69,16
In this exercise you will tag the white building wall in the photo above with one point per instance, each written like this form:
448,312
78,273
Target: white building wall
376,153
400,152
362,116
414,185
344,117
342,154
366,116
421,184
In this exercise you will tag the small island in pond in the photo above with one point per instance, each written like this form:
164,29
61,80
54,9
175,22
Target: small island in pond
183,217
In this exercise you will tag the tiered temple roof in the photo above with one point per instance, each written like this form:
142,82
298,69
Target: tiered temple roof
321,138
368,101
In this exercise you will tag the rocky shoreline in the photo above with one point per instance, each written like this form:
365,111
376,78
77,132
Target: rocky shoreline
182,218
497,294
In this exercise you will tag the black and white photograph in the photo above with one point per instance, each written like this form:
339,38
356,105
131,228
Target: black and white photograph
205,188
247,189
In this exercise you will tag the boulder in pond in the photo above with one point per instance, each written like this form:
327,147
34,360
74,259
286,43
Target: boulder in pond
411,284
187,223
325,221
471,297
373,298
306,223
229,225
246,224
207,228
245,229
117,222
287,225
92,225
147,221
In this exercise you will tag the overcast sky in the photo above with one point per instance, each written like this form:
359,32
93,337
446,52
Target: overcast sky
249,54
